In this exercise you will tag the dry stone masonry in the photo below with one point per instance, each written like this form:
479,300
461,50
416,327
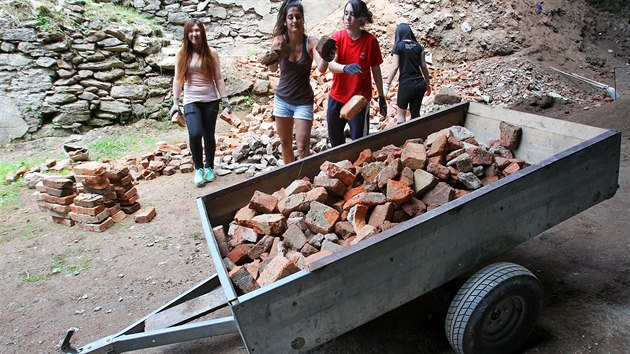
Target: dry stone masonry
278,234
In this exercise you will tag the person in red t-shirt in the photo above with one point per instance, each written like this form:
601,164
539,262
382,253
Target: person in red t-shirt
358,54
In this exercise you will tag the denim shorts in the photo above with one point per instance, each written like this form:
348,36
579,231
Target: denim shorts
283,109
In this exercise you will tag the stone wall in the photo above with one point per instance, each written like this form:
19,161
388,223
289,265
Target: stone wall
88,73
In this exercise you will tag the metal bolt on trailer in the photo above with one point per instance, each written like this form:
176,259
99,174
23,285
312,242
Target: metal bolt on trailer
571,168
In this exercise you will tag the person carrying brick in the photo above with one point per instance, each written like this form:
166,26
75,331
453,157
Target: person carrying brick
358,58
198,72
293,101
413,84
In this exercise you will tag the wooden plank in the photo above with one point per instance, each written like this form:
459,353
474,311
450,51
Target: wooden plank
398,265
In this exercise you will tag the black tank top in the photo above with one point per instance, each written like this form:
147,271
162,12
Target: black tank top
294,87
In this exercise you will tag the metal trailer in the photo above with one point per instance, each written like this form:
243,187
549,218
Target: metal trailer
571,168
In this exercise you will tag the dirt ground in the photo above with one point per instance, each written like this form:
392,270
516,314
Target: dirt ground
134,268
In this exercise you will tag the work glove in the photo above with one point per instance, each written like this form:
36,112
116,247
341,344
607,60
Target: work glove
385,89
352,69
382,105
174,108
226,104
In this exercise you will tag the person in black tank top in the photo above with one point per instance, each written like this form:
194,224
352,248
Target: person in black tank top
413,84
293,101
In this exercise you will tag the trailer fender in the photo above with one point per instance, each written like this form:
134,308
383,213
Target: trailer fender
495,311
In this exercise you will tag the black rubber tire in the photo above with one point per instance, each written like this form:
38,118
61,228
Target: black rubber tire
495,311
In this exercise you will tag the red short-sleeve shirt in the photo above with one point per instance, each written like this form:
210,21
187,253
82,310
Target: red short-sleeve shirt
364,51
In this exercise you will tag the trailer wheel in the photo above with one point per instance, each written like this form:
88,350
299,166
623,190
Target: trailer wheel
495,310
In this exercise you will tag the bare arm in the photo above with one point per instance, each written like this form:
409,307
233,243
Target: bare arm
274,67
425,73
177,84
322,65
378,79
393,69
218,78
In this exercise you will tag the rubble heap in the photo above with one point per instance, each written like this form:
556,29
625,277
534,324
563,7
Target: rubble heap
277,234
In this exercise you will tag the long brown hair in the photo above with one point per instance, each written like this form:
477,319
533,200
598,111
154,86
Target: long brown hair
280,28
187,50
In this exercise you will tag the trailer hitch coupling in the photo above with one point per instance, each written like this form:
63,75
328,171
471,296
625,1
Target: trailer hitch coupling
66,347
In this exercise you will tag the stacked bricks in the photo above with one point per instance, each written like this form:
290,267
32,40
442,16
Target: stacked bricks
165,161
278,234
126,192
91,209
55,196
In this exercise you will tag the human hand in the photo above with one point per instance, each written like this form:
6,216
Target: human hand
175,107
352,69
382,105
226,104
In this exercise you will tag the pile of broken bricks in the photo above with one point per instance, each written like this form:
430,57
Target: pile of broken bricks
94,198
278,234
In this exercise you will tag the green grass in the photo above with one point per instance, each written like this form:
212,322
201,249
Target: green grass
113,13
9,193
59,264
117,147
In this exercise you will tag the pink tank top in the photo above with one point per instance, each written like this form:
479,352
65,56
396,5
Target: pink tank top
198,88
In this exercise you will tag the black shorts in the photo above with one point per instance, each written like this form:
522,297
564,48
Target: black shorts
411,95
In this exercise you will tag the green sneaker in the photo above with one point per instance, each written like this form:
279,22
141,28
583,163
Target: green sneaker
208,174
199,178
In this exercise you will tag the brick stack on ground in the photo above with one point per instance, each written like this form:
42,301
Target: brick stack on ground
55,196
278,234
91,210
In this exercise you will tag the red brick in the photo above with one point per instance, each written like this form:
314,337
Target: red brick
113,209
221,239
414,207
261,247
381,213
123,181
145,215
58,182
370,173
365,156
321,218
268,224
442,193
89,219
100,227
88,200
263,203
510,135
386,152
57,208
308,250
413,155
239,255
90,168
59,192
423,181
489,180
454,144
512,168
243,280
366,232
244,215
354,191
398,192
63,221
156,165
88,211
117,173
96,182
129,201
335,171
294,202
118,216
332,185
366,198
317,194
344,229
439,146
357,216
278,268
130,209
406,176
388,173
480,156
298,186
67,200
